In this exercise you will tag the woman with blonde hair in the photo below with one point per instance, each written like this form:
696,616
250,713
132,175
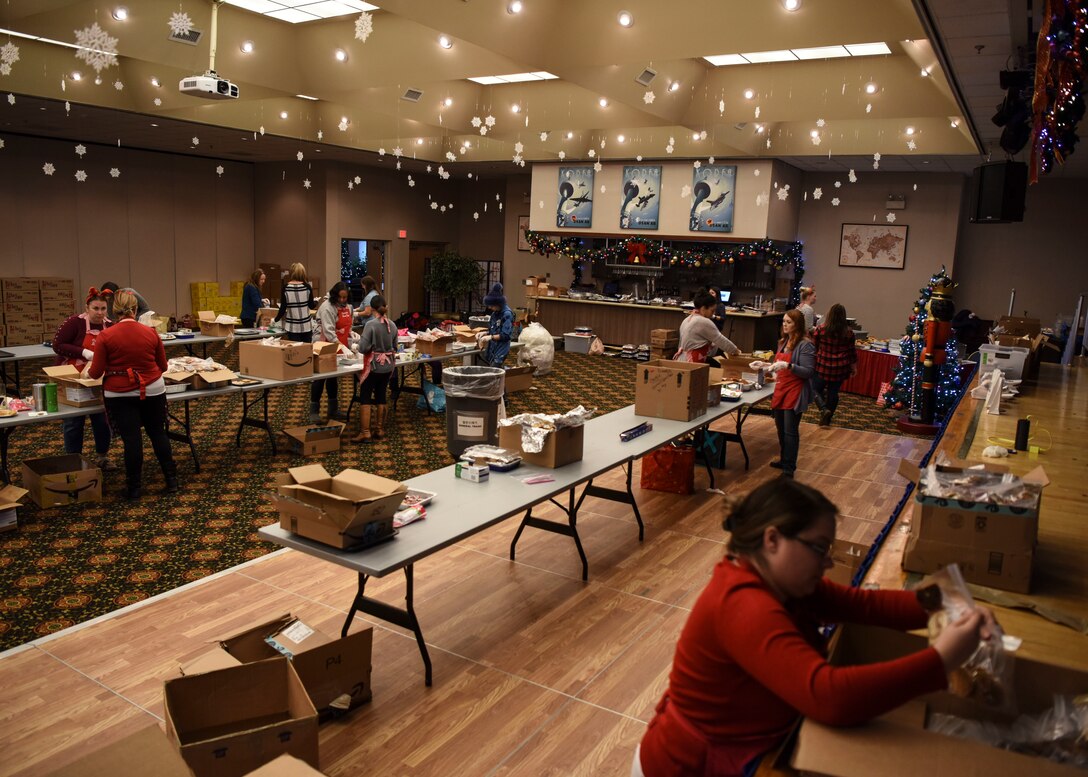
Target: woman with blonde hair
130,358
808,299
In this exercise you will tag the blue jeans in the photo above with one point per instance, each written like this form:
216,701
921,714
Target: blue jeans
788,424
73,434
826,393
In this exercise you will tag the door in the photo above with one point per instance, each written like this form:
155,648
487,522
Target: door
418,254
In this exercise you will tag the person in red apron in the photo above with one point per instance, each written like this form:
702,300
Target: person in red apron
794,365
74,344
751,659
334,318
378,345
130,359
699,334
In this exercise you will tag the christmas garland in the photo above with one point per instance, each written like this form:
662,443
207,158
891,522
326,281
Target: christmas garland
640,251
1061,71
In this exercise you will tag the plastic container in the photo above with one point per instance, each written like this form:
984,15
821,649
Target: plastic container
473,395
577,343
1010,359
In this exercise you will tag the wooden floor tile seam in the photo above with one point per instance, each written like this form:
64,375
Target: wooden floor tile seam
98,683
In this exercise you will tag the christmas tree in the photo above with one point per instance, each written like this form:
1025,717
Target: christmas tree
906,387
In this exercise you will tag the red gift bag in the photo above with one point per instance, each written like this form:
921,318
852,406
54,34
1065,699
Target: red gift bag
669,469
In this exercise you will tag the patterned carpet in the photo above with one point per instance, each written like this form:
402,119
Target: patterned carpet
69,564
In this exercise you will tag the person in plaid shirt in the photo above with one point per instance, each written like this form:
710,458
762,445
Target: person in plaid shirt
836,360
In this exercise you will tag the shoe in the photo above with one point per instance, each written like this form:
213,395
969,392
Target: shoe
171,486
364,435
105,464
315,413
825,417
776,464
379,422
786,475
134,493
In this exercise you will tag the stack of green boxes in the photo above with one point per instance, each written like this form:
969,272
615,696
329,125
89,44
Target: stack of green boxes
209,296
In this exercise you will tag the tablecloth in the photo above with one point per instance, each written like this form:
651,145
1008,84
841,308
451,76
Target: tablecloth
874,368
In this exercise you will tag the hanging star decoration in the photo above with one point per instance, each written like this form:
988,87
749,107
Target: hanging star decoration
9,55
562,155
96,47
519,147
696,164
852,176
890,217
597,166
118,85
912,145
804,196
81,175
476,121
306,183
180,24
784,192
115,173
48,168
157,101
298,156
835,201
320,134
343,125
817,193
219,170
398,152
364,25
475,215
543,137
649,97
81,150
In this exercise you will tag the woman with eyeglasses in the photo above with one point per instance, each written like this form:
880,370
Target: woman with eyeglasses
751,659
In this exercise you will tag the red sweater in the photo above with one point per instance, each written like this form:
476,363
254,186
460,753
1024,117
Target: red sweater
128,344
746,665
68,341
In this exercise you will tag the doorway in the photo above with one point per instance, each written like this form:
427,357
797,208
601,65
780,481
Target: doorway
418,256
359,257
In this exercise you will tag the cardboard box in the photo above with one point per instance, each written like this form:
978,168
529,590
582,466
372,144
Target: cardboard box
847,557
897,745
668,389
213,379
62,480
440,346
335,671
147,752
1008,571
11,285
9,506
467,334
57,286
23,312
22,298
534,280
23,334
324,358
73,390
577,343
665,338
228,722
265,316
474,473
561,447
519,378
284,361
314,439
352,509
286,766
209,326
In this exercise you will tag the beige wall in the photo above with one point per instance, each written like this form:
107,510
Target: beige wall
879,299
165,222
517,265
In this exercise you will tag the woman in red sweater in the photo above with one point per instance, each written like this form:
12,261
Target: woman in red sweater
750,658
131,357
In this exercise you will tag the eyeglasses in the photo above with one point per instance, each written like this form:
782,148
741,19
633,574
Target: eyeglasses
820,549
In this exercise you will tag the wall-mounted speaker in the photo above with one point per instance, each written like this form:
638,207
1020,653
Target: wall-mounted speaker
998,190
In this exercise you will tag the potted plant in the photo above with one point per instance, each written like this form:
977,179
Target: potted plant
453,277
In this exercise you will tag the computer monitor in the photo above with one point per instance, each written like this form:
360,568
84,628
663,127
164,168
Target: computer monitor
724,295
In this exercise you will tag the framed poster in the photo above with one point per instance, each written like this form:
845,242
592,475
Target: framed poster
523,225
713,191
641,197
873,245
574,204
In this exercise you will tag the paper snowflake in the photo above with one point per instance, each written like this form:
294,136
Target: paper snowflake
915,187
592,153
81,176
441,170
696,164
817,193
710,161
157,101
1,142
500,207
115,173
784,192
604,142
260,129
451,156
80,150
685,192
451,206
890,217
320,134
876,165
398,152
721,106
638,158
180,24
543,137
196,140
757,172
351,185
498,197
672,140
852,176
96,47
475,215
838,184
298,156
476,121
381,151
343,125
539,205
364,25
483,130
835,201
768,142
434,205
442,209
649,97
398,164
519,147
912,145
668,149
464,150
9,55
219,170
816,140
5,70
603,189
411,182
597,166
820,122
517,158
490,121
702,135
876,157
869,108
757,111
358,180
11,99
469,175
759,200
48,168
562,155
118,85
306,183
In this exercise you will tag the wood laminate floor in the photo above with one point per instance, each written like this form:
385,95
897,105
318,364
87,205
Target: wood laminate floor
535,672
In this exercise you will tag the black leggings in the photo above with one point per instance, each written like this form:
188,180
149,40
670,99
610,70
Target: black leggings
372,392
127,415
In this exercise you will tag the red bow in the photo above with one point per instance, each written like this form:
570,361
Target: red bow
93,292
636,252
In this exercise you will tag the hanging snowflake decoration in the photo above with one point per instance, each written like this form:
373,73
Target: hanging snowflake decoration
320,134
876,157
1,142
475,215
115,173
604,142
876,165
398,164
381,151
912,145
490,121
96,47
298,156
817,193
118,85
838,184
196,140
696,164
597,166
306,183
852,176
784,192
757,111
757,172
638,158
351,186
649,97
562,155
180,24
891,218
358,180
260,129
411,182
157,101
759,200
603,189
816,140
476,121
820,122
483,130
80,150
519,147
67,107
710,161
464,150
685,192
441,171
517,158
444,175
48,168
500,207
451,206
592,153
539,205
721,107
343,125
434,205
451,156
835,201
442,209
364,25
668,149
915,187
9,55
868,107
543,137
398,152
702,135
219,170
81,175
11,99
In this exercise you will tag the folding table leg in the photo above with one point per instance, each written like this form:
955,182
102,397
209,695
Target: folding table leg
185,436
568,529
247,403
5,433
616,495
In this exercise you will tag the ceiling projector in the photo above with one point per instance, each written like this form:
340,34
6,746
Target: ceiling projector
209,86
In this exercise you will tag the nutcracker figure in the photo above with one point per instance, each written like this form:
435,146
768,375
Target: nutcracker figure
939,312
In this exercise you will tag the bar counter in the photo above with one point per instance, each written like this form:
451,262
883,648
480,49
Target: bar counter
621,323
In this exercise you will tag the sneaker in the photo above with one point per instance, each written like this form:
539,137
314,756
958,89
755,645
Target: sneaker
105,464
825,417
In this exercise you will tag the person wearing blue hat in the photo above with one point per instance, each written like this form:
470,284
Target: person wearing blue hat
499,329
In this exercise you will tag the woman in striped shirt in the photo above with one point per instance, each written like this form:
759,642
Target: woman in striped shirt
296,300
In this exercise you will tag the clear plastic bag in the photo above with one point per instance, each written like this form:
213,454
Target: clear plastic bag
537,349
475,382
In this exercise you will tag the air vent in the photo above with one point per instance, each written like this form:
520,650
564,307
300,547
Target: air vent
192,37
646,76
412,95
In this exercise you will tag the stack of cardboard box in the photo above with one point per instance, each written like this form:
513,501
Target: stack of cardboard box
1019,332
664,343
34,308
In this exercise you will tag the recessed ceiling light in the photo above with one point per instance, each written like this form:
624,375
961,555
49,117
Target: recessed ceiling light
718,60
759,129
570,135
759,57
791,5
153,124
513,78
749,94
419,141
448,102
445,41
625,18
247,47
867,49
514,7
871,88
77,76
155,81
621,138
910,130
283,114
341,55
955,123
695,136
814,134
925,72
603,102
674,86
821,52
120,13
515,108
306,97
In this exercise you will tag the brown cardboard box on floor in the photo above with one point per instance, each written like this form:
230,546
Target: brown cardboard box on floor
9,506
285,361
668,389
519,378
315,439
286,766
898,745
228,722
62,480
352,509
561,447
335,671
147,752
73,390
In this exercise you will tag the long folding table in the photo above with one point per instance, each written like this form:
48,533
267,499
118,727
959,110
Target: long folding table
462,508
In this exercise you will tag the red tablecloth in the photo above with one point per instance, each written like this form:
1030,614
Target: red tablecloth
874,368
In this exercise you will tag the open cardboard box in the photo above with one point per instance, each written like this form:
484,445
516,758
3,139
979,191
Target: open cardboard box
671,389
9,506
72,389
212,325
897,745
286,766
265,316
847,557
228,722
325,356
212,379
62,480
440,346
350,510
335,672
147,752
519,378
284,360
467,334
315,439
561,447
1024,333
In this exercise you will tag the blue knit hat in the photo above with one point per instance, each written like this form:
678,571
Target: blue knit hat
495,297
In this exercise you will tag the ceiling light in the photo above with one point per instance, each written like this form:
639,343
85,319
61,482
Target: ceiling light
625,19
445,41
925,72
155,82
695,136
247,47
791,5
910,130
814,134
759,129
515,108
419,141
307,97
570,135
299,11
120,13
867,49
514,7
283,114
759,57
821,52
468,144
448,102
955,123
674,86
719,60
621,138
749,94
603,102
77,76
871,88
341,55
153,124
345,120
513,78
